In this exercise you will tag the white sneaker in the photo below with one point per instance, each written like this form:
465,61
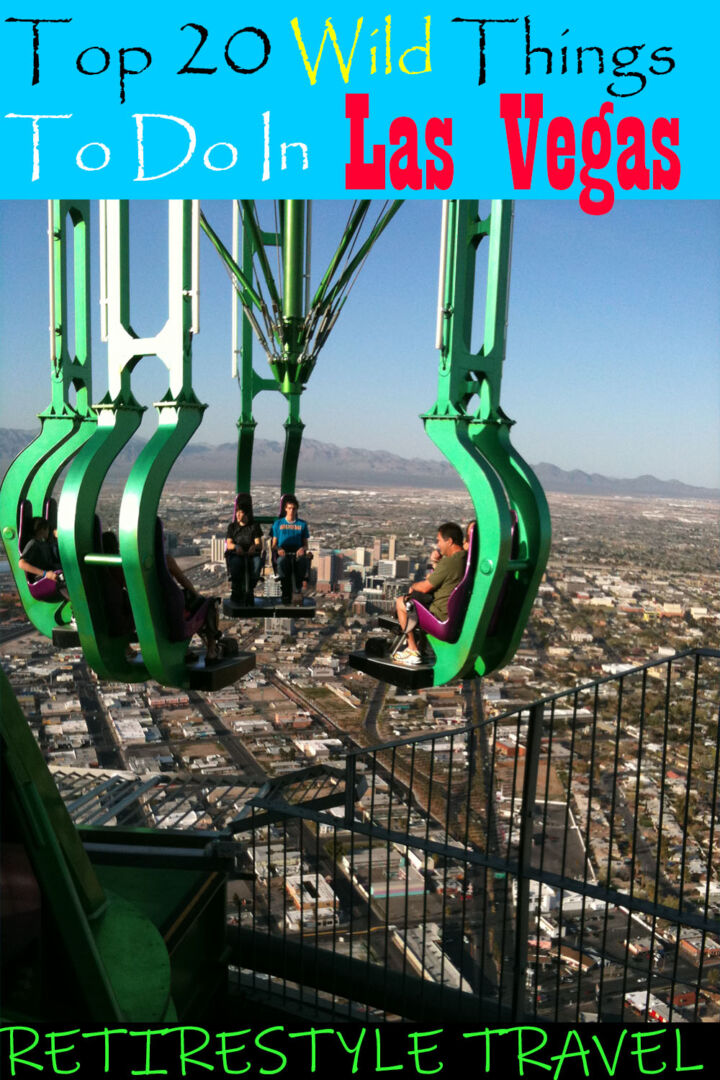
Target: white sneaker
407,656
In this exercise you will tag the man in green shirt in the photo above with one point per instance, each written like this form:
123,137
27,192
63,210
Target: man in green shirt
435,590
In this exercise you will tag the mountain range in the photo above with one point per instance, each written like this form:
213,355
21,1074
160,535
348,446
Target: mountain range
327,465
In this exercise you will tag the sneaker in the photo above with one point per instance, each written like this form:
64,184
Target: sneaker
407,656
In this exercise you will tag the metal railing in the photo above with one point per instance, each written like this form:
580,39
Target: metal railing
557,862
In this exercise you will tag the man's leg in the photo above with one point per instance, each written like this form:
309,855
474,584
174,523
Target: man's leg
300,572
285,573
402,615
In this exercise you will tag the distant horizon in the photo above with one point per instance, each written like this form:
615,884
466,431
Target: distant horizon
612,354
325,482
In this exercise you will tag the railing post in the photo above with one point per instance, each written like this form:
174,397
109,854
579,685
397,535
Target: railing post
522,921
349,791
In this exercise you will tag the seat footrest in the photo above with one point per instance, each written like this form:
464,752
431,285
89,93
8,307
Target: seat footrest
384,668
216,676
266,607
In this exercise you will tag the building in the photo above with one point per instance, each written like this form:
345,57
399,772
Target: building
315,905
362,557
217,549
392,542
402,566
387,568
327,567
272,587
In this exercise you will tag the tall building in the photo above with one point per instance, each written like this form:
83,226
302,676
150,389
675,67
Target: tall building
402,566
327,568
376,548
391,547
217,549
387,568
362,556
272,588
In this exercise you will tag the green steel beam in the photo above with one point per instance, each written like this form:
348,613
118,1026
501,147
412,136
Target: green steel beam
121,965
65,424
469,426
179,415
296,329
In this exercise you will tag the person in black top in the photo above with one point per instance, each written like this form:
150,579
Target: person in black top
243,555
39,561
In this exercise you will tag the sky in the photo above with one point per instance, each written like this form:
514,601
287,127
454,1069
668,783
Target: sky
613,337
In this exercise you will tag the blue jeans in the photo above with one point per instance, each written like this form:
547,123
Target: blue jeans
292,571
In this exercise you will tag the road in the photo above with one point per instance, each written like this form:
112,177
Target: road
231,743
110,752
12,633
373,711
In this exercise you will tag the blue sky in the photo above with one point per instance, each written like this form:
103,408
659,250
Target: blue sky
612,362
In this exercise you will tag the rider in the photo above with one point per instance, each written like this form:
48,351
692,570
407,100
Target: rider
244,554
434,591
290,535
39,560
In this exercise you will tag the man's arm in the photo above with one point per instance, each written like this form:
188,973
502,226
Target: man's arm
422,587
28,568
28,553
435,579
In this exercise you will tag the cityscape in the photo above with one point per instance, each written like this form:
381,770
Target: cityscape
621,804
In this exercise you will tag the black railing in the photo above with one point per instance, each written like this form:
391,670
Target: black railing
558,861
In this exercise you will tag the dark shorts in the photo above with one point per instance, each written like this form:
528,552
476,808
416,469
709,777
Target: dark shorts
421,599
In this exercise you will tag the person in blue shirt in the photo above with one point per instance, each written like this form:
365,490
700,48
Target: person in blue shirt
289,539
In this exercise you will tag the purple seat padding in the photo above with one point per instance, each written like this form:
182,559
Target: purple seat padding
50,513
25,518
44,588
449,630
180,628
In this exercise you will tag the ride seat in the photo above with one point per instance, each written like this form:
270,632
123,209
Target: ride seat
273,551
44,588
243,500
180,628
449,629
514,547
